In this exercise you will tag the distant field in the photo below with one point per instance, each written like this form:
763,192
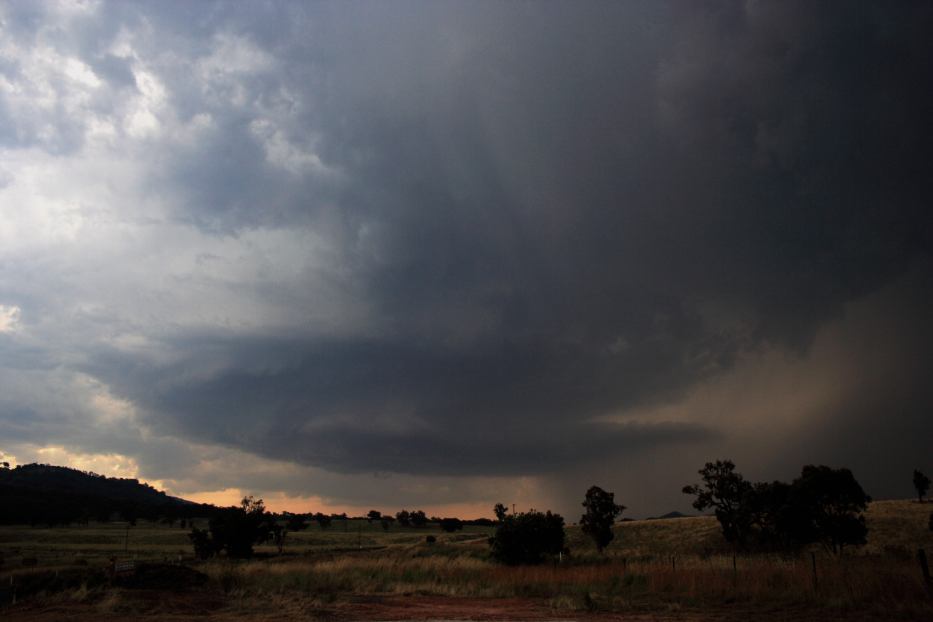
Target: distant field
670,565
98,542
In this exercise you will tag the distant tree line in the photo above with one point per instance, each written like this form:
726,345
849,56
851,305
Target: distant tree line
822,506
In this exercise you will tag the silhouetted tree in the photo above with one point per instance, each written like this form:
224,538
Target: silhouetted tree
296,522
373,515
404,518
500,511
418,518
833,502
528,538
724,491
600,516
451,525
235,530
204,545
323,520
921,483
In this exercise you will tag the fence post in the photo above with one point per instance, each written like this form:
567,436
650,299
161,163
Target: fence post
674,564
925,569
816,583
735,572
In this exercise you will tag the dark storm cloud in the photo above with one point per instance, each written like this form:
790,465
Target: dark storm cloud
533,177
382,406
547,213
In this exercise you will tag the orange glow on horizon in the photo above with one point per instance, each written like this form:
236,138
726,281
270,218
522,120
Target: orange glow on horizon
278,502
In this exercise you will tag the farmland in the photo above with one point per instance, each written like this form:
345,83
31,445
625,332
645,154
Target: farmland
356,569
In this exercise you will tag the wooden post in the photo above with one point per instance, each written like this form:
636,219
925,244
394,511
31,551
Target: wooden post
735,571
673,564
925,569
816,584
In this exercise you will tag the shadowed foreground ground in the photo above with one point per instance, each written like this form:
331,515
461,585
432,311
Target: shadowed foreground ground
655,570
162,607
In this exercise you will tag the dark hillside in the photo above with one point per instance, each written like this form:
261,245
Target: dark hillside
53,495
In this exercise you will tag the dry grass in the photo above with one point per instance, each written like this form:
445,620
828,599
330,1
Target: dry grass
859,582
636,573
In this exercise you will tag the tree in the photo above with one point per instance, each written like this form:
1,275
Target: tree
600,516
832,502
295,522
204,546
921,483
500,511
528,538
726,492
374,515
235,530
418,518
451,525
277,534
404,518
322,519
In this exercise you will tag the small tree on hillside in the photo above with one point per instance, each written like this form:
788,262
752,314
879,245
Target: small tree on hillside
726,492
404,518
500,511
833,501
600,516
921,483
374,515
450,525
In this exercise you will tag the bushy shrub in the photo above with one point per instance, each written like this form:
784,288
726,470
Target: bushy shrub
528,538
234,530
451,525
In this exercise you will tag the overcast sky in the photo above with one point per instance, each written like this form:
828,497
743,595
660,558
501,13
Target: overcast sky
440,254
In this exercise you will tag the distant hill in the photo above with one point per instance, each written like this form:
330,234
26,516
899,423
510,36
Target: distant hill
674,514
46,494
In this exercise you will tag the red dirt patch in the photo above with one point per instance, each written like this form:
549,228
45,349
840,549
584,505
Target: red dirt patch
163,606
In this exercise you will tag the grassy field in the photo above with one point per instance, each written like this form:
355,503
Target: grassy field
660,565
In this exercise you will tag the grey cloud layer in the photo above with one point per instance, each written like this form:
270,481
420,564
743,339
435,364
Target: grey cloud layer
445,239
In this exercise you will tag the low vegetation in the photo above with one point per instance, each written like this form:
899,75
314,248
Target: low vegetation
686,563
